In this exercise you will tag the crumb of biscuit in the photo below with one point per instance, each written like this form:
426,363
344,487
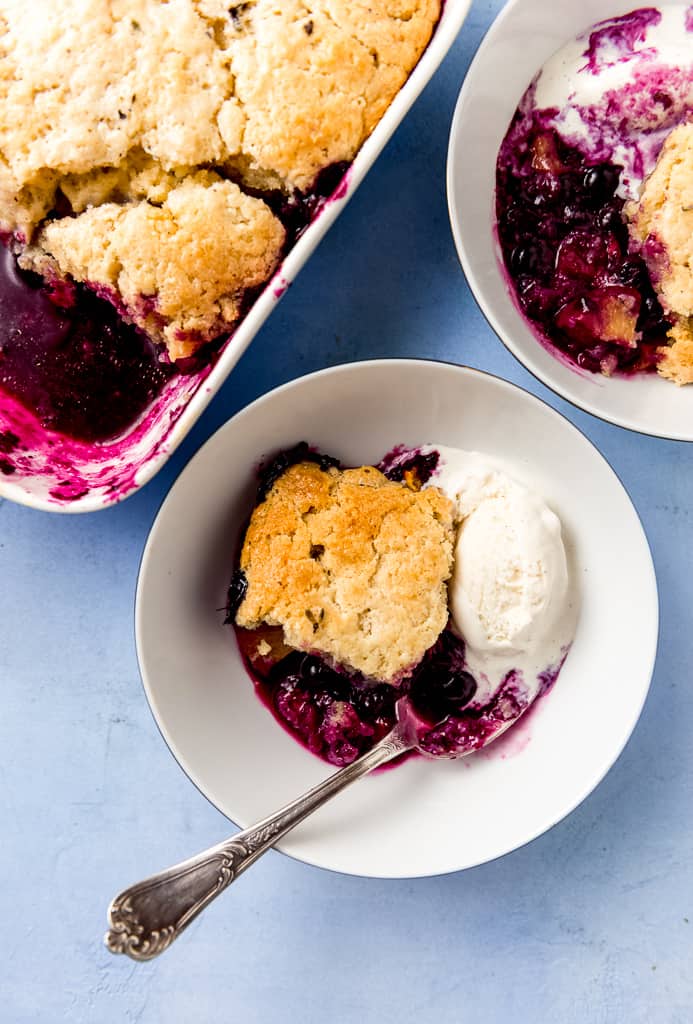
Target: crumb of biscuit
350,564
676,360
176,279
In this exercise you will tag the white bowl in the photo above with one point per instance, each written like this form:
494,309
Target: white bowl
100,474
422,817
523,37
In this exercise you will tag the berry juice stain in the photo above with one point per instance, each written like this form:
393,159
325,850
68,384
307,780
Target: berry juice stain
69,358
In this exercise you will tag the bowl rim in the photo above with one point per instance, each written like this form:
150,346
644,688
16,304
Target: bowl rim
484,305
364,365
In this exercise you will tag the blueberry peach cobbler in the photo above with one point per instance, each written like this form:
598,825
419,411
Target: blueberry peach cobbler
433,576
594,197
157,160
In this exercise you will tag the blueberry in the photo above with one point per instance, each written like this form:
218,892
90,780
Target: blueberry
323,680
574,215
238,588
376,702
610,219
457,689
313,668
329,178
440,692
421,466
290,682
527,259
601,181
632,273
650,306
587,361
288,668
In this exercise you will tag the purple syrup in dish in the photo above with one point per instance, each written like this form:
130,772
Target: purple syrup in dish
565,248
79,367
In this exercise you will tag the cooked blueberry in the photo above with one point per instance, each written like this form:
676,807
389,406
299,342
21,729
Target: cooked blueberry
313,668
418,466
326,462
633,272
439,691
310,667
527,259
329,178
602,181
288,667
587,361
574,216
663,98
238,588
611,220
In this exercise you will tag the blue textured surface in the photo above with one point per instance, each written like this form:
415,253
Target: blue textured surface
590,923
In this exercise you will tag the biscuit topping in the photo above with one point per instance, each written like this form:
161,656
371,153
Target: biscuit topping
351,565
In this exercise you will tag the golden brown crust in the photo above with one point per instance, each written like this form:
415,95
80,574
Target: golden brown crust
350,564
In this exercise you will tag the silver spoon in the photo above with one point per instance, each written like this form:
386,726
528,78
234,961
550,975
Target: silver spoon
146,918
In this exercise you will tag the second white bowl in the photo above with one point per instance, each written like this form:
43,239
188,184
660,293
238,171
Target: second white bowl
523,37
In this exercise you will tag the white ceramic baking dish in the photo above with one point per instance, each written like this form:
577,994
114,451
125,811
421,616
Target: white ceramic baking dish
47,471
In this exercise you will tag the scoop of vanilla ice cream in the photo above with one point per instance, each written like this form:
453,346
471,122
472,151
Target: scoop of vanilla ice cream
509,588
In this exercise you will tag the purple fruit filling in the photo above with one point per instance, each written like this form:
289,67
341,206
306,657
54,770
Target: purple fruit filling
339,715
79,367
565,247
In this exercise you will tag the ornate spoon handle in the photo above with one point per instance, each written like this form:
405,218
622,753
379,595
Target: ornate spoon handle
146,918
